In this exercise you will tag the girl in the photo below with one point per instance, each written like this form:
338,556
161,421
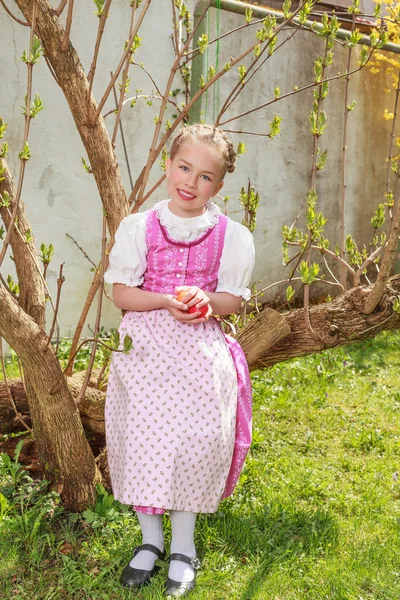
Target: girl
178,409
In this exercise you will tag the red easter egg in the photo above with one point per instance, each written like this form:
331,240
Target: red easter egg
192,309
203,310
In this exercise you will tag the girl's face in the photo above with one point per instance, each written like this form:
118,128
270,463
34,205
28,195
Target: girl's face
194,176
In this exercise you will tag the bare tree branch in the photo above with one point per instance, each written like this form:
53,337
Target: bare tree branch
8,11
100,31
68,25
122,61
124,79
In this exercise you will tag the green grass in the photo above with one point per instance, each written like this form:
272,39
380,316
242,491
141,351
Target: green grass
316,515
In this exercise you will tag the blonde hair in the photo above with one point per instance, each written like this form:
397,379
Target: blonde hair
212,136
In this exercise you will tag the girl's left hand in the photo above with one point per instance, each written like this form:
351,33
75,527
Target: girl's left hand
193,295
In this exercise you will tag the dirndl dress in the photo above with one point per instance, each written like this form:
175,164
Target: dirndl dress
178,406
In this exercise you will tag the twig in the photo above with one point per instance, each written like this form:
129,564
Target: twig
138,204
329,253
128,166
8,11
241,84
98,314
138,97
307,312
121,62
65,41
102,371
175,28
8,391
26,135
60,282
124,79
392,136
82,250
344,164
247,132
72,358
331,273
100,31
365,264
296,91
135,64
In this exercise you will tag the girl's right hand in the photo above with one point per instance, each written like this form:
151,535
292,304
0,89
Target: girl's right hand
179,310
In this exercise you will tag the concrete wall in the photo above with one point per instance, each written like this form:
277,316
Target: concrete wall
62,198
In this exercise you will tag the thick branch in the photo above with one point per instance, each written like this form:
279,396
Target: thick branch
337,323
32,296
388,259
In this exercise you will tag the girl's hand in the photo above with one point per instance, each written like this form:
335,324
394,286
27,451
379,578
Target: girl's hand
194,297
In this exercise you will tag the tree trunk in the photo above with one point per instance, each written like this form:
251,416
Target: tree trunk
54,415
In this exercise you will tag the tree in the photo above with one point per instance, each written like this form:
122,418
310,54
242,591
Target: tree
360,312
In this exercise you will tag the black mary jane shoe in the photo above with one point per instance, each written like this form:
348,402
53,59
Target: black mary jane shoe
177,589
136,578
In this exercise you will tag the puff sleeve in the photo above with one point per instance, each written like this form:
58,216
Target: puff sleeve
128,257
237,261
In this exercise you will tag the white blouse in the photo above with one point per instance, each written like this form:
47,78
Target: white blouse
128,257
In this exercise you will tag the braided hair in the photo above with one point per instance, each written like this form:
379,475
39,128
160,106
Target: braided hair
208,134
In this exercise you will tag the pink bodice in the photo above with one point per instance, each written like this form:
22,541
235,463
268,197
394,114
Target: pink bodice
171,263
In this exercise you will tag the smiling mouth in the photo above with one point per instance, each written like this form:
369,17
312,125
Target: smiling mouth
185,195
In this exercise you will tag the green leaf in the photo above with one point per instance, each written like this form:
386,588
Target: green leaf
100,7
274,127
115,339
321,159
289,293
86,166
25,153
127,344
3,150
28,236
354,39
242,72
286,8
354,7
248,14
14,289
3,127
241,149
202,42
379,217
46,253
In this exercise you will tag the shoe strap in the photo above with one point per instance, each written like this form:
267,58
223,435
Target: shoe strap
150,548
193,561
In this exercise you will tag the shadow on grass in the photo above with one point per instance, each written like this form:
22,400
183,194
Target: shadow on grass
277,534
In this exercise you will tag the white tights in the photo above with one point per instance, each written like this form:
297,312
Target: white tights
182,524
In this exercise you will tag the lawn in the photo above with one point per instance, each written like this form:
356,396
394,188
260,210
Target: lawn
316,515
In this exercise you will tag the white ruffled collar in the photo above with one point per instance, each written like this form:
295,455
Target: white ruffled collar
182,225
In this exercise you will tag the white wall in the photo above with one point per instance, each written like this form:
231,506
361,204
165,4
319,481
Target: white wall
62,198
